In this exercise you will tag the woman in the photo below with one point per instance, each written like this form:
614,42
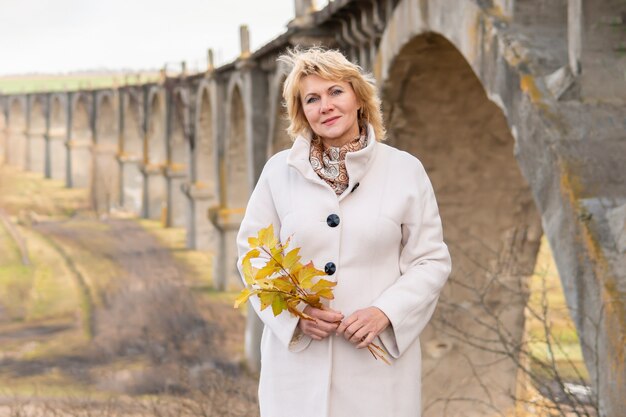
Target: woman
366,214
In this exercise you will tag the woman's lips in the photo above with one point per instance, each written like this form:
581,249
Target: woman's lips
330,121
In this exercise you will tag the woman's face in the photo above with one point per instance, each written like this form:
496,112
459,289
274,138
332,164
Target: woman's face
331,108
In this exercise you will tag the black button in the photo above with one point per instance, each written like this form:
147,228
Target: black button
332,220
355,187
330,268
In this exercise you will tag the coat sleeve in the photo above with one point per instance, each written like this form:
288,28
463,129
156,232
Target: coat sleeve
260,213
424,267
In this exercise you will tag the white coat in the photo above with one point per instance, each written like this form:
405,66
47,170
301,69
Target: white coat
388,252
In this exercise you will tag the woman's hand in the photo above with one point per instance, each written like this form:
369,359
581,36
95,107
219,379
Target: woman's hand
363,326
325,323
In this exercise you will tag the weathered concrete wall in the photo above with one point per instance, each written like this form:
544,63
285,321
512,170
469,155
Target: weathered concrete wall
436,109
467,86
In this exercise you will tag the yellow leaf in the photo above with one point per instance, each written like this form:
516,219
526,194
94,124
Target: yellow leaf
306,274
243,297
246,266
267,298
326,293
291,258
254,242
264,283
323,284
278,305
284,284
313,300
267,238
268,270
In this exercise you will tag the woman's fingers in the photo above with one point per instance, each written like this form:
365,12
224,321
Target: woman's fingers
330,316
360,335
365,341
345,324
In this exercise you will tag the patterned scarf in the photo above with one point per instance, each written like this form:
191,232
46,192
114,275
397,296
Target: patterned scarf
330,162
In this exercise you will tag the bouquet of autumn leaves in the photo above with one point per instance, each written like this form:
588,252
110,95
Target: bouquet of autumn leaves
284,282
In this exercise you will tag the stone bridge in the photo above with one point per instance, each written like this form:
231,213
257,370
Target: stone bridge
515,107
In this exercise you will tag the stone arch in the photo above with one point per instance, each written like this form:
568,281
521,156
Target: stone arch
3,133
81,142
179,152
205,150
107,126
57,135
437,109
106,180
234,183
155,156
37,135
156,145
235,186
131,151
16,140
201,187
279,139
132,134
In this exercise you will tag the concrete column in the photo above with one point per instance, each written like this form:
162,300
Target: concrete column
80,162
304,7
107,178
57,153
506,6
209,60
131,183
3,131
176,199
154,193
244,41
600,43
200,231
574,34
36,135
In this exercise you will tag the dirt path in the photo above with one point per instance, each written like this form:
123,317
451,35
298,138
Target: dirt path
141,321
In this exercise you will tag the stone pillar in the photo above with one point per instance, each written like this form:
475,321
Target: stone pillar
80,162
602,46
154,192
227,221
36,150
131,183
3,134
505,7
17,144
304,7
244,41
57,154
200,231
107,178
176,207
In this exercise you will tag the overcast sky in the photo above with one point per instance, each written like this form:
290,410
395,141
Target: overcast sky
50,36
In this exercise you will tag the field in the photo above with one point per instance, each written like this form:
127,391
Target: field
69,82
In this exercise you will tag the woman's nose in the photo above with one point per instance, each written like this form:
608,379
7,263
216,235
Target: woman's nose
325,105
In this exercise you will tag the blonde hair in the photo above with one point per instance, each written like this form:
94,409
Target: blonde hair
330,65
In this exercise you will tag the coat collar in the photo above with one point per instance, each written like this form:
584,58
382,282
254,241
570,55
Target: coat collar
357,163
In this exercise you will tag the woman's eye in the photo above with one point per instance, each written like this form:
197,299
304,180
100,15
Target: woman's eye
310,100
336,92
